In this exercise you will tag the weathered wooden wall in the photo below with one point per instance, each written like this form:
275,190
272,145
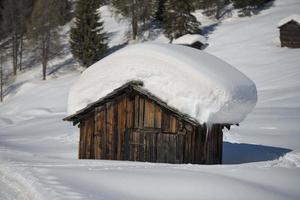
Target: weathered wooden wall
290,35
133,127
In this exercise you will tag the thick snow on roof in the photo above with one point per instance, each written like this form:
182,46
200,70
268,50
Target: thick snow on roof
294,17
190,39
194,82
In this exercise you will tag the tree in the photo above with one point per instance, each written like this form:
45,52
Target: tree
160,10
136,11
88,39
248,3
11,24
1,77
216,8
178,19
24,9
247,6
46,16
14,18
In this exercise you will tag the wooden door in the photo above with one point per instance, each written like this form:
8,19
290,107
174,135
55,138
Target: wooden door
170,148
140,146
148,146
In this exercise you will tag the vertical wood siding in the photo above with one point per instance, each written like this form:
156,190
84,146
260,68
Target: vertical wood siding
290,35
133,127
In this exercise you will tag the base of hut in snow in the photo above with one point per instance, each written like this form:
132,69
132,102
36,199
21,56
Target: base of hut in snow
174,113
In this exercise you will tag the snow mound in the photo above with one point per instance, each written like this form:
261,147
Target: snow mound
194,82
190,39
294,17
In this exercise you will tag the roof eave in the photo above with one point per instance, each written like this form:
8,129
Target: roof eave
292,20
79,115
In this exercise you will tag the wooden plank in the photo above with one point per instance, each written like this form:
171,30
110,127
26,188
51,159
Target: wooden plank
147,137
109,124
97,135
129,113
87,139
199,146
149,114
180,148
141,112
220,145
173,124
209,141
127,144
165,122
141,147
130,146
115,130
166,147
187,150
121,127
89,136
159,148
118,124
153,147
135,144
84,139
81,141
103,130
192,147
92,133
124,124
171,150
157,119
136,111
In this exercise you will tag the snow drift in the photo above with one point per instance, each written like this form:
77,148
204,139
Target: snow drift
194,82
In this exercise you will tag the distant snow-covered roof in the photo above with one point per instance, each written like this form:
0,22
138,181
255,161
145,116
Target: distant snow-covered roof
190,39
194,82
295,18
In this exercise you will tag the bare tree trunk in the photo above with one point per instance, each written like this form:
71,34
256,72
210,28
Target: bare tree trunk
1,78
134,21
45,54
134,27
15,52
21,53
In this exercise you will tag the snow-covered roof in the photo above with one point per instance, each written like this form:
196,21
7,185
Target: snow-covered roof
190,39
194,82
294,17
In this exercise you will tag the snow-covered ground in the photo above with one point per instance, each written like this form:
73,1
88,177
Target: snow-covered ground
38,151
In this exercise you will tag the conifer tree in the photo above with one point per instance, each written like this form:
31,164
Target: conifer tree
160,10
178,19
46,17
248,3
88,40
136,11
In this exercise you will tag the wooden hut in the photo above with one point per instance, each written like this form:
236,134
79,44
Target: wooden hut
290,32
192,40
132,124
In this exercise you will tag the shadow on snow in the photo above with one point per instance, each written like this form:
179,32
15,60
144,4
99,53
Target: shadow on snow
235,153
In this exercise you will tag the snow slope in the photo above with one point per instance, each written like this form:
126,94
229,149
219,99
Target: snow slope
206,88
38,151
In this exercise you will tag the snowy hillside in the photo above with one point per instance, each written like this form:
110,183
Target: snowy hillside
38,151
